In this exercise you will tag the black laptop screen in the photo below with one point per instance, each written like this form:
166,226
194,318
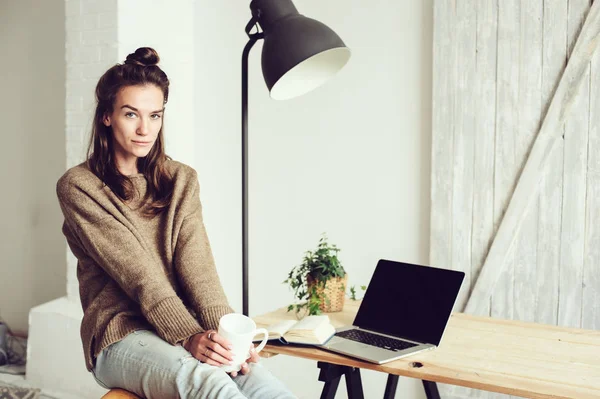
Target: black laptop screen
409,301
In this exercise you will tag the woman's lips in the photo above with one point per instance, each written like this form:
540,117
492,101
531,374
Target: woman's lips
142,143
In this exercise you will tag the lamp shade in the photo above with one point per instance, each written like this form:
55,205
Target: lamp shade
299,54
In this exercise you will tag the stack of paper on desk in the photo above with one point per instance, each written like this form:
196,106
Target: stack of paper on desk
311,330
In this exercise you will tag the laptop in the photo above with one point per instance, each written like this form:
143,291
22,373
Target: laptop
404,311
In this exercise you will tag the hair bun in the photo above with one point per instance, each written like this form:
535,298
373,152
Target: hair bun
144,56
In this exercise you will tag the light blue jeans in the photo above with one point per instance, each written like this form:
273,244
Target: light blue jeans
148,366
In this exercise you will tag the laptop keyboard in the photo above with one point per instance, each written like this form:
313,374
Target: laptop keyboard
375,340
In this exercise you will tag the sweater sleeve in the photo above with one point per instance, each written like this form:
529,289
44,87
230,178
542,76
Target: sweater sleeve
118,248
195,266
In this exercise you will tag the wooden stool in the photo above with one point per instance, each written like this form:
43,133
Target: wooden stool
120,394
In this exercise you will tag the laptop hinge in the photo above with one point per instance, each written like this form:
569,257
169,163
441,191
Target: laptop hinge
391,336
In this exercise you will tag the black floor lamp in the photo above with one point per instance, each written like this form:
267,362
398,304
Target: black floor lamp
299,54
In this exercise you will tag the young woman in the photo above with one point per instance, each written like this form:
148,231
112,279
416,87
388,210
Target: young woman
150,292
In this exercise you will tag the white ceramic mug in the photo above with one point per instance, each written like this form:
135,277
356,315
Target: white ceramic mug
240,331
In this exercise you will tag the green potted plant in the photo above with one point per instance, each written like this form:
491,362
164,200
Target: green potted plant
319,282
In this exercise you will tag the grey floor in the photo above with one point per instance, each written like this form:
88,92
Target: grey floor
20,381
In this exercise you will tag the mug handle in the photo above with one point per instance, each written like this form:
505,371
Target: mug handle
265,339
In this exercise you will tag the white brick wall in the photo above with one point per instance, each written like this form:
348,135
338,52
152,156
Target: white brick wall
91,48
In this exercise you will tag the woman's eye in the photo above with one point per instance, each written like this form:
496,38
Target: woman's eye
130,115
155,116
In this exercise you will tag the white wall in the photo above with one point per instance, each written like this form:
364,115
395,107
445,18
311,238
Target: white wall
168,28
32,76
351,159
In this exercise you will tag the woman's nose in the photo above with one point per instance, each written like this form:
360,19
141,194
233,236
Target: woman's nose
143,127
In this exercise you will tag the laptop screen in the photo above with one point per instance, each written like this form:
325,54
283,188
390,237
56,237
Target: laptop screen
409,301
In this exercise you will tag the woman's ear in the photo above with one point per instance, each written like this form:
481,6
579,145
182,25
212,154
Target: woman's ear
106,120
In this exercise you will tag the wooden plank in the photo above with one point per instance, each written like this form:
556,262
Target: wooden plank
482,230
485,128
591,271
464,132
518,358
550,198
530,117
442,157
528,183
574,183
507,127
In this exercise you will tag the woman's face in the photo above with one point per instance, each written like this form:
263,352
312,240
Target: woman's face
135,120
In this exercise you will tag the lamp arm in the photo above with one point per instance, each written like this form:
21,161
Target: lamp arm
253,23
253,38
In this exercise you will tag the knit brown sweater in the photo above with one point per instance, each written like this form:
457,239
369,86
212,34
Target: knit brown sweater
136,272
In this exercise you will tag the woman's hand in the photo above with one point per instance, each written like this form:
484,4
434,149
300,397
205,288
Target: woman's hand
254,358
209,347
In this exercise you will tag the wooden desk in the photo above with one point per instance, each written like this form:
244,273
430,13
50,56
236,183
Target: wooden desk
517,358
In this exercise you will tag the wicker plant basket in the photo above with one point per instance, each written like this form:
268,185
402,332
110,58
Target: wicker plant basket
332,295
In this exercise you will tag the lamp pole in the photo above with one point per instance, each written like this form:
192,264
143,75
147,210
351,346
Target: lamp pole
253,38
299,55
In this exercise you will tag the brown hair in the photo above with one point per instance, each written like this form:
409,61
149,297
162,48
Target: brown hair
138,69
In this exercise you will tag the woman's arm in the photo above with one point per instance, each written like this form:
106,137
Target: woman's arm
195,266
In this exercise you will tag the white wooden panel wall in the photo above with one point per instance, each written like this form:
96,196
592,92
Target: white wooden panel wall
464,135
554,56
591,267
497,64
529,111
485,128
507,165
574,188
